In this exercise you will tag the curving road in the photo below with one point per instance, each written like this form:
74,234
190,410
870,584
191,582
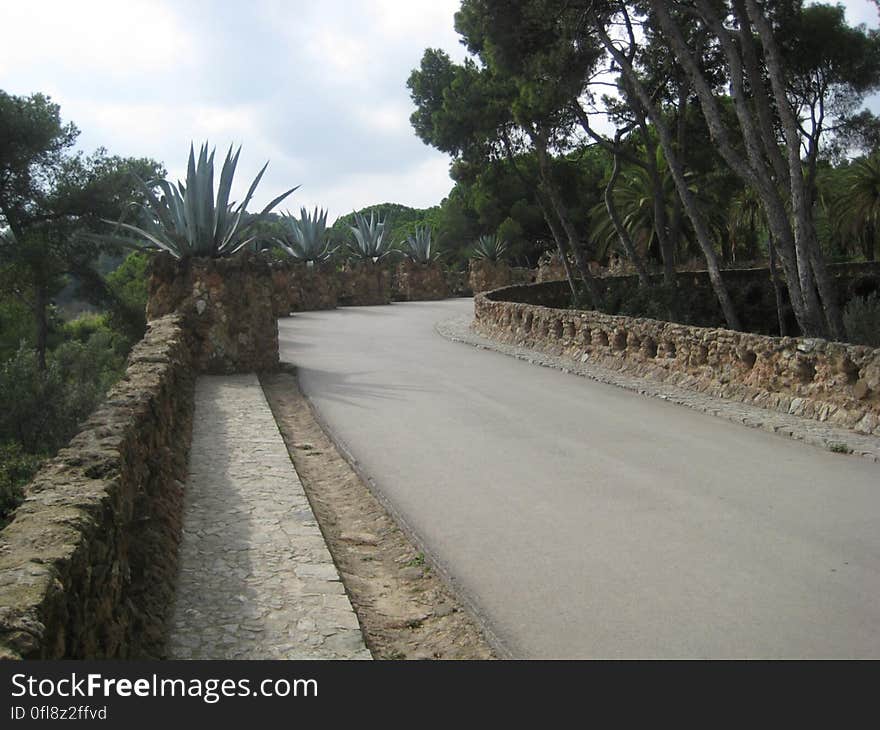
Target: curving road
582,520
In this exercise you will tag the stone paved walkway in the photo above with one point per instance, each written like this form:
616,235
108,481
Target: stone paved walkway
256,579
812,432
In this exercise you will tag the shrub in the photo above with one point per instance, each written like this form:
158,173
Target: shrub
419,246
16,470
861,317
128,285
32,399
44,408
305,239
371,241
489,248
84,326
16,325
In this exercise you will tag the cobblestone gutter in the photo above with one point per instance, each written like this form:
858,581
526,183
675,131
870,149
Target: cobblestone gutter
89,562
830,382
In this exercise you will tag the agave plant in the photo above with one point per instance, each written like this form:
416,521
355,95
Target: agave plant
418,246
306,237
187,220
370,243
489,248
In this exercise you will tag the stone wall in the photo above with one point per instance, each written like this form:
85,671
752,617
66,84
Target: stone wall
458,283
485,275
751,290
297,287
284,295
364,284
420,282
550,268
229,305
89,561
827,381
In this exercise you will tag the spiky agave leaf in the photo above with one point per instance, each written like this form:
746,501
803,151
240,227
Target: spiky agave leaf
489,248
370,242
306,238
187,220
419,244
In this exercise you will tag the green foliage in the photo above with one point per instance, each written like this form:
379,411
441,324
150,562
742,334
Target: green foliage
418,246
51,200
128,287
32,399
187,220
17,467
34,141
861,317
83,327
44,407
855,204
831,66
839,447
489,248
306,238
16,326
371,242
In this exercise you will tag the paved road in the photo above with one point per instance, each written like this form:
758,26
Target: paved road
587,521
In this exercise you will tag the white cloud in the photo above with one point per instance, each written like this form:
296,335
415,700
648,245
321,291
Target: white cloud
391,119
102,37
339,55
317,89
404,19
422,186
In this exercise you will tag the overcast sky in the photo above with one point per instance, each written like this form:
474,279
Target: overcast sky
317,88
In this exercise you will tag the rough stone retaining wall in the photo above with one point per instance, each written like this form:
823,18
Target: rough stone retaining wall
827,381
88,564
484,275
420,282
298,288
365,284
229,308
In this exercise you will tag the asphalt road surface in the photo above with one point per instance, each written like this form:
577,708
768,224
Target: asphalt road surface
586,521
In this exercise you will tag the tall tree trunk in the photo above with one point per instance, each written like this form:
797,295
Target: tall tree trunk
550,190
661,222
560,247
622,233
777,289
677,171
827,291
753,168
548,217
41,303
675,227
667,247
810,258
